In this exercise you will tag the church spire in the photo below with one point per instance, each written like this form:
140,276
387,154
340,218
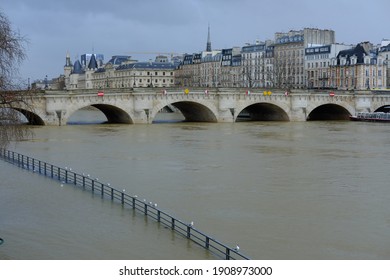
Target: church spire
208,47
68,62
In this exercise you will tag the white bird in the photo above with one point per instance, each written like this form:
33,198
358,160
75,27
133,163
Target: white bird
237,247
155,205
191,224
124,190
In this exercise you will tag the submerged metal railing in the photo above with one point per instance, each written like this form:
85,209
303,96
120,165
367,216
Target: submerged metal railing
67,176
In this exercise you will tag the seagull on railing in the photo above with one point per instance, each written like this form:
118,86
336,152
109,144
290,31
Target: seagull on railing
237,247
191,224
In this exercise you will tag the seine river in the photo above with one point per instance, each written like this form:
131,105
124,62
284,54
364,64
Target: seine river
281,190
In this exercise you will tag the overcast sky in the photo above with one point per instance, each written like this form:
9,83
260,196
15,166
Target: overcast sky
55,27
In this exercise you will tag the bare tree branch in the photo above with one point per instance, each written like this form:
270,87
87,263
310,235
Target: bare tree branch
12,99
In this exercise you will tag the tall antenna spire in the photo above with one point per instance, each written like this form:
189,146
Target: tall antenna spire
208,47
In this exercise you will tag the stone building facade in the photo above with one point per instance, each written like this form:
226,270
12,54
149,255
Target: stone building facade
359,68
289,55
317,62
384,54
254,65
231,70
119,72
307,58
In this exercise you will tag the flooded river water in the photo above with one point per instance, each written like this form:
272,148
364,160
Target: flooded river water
281,190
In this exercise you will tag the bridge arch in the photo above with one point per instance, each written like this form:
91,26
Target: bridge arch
379,103
192,111
328,111
32,118
113,113
263,111
383,108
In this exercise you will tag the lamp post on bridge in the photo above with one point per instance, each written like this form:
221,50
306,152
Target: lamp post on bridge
133,75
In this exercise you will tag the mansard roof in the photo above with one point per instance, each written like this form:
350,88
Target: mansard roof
260,47
118,59
147,65
212,58
100,70
385,48
359,52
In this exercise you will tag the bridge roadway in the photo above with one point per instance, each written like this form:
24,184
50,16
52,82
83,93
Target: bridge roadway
141,105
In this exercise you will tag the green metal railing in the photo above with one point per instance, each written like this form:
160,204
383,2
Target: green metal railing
67,176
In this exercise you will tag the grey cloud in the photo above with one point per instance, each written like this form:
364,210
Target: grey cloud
114,27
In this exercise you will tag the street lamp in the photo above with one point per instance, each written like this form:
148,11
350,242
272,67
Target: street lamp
133,75
46,83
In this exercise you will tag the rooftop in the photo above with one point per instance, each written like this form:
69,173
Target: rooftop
148,65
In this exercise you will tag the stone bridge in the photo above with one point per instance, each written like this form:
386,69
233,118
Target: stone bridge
141,105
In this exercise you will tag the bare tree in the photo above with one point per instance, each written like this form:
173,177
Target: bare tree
282,72
12,53
247,74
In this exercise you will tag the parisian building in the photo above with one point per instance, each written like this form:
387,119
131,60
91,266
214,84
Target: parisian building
384,53
253,65
210,69
317,62
231,70
289,55
202,69
360,68
185,73
308,58
119,72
